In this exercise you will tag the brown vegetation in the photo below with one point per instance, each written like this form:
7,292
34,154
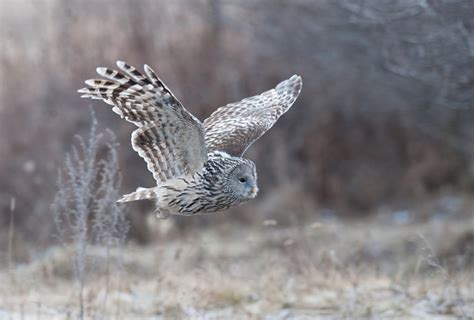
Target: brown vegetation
384,116
369,177
372,269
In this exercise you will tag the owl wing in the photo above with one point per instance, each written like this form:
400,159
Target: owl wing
235,126
169,138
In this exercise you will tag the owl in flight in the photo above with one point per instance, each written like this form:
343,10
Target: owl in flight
198,167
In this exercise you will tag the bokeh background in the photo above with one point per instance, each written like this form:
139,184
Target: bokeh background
385,117
383,128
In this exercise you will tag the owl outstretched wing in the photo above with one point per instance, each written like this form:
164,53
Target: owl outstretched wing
169,138
235,126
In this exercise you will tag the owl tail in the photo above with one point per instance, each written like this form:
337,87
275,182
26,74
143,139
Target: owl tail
140,194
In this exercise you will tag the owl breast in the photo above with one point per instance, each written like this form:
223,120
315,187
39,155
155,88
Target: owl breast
205,191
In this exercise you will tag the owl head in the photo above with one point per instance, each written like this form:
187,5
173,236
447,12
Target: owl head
242,181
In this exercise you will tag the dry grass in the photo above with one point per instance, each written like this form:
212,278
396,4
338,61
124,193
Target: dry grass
327,269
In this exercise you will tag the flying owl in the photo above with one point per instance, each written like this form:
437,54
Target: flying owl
198,167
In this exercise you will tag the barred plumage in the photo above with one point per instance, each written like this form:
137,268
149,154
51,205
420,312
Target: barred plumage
197,166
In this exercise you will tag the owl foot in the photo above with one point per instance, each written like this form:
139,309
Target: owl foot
161,214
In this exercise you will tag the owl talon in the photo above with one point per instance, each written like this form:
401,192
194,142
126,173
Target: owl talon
162,215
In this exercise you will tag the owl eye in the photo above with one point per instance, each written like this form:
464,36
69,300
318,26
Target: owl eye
242,180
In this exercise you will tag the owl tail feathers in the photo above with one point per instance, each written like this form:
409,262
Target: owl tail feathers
140,194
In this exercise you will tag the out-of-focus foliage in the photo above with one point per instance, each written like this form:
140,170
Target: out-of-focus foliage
385,116
85,210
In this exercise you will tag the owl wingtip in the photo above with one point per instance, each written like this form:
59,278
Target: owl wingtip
101,70
146,67
90,82
296,76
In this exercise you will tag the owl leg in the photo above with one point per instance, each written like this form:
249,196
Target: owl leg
162,213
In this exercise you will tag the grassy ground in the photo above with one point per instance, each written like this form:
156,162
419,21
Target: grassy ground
383,267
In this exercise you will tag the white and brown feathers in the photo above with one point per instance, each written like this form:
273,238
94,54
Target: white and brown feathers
235,126
170,139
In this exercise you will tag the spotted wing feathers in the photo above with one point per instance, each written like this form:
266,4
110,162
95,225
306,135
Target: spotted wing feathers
169,138
235,126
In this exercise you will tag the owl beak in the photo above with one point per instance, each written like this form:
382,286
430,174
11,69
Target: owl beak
253,192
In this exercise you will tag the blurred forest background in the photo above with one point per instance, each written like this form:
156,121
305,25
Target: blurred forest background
384,126
385,117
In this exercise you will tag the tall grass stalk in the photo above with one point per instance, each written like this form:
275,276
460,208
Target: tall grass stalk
85,209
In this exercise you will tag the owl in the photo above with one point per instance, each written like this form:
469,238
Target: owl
198,166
